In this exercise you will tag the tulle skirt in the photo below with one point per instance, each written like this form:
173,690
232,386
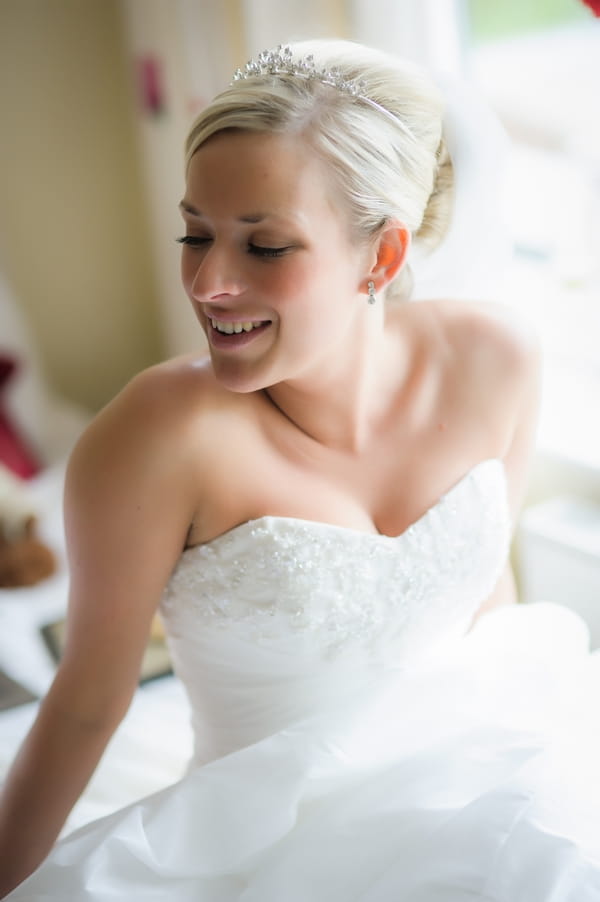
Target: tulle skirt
476,778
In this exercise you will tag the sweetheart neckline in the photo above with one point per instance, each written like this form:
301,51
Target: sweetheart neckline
253,523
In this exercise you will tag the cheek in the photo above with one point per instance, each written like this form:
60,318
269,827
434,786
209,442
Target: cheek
277,285
288,282
301,280
318,284
186,271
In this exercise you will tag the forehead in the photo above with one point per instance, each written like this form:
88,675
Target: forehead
245,174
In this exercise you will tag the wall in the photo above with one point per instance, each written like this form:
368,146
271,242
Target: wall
155,31
74,239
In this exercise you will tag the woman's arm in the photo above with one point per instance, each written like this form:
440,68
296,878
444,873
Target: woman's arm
128,505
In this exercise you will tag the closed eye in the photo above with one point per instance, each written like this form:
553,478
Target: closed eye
260,251
192,240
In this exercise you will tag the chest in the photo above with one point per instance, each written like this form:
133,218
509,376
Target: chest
264,465
384,490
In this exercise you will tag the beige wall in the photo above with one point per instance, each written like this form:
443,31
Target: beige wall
74,238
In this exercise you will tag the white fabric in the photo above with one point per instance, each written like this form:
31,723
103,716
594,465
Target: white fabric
473,261
354,740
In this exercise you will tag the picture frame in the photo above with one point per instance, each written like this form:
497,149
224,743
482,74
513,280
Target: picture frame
156,661
13,694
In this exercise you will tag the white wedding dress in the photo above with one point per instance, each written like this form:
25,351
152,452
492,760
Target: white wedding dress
355,739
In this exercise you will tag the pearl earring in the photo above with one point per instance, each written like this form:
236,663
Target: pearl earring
371,289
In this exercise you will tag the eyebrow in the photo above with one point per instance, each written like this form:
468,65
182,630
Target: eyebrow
251,217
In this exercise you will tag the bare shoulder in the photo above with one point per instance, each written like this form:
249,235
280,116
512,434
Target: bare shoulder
155,410
499,357
496,356
167,389
135,469
490,335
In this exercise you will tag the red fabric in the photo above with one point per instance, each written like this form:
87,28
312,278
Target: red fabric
14,451
594,5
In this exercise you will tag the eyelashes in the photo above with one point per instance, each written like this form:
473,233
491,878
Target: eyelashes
191,240
256,250
260,251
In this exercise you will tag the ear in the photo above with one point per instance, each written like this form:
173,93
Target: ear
388,256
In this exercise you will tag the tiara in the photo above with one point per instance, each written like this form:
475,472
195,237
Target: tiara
282,62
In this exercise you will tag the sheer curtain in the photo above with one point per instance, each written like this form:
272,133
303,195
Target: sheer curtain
543,83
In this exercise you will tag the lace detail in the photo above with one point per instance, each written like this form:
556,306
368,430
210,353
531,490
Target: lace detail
275,577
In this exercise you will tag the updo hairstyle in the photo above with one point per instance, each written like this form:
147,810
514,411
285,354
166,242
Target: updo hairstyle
383,168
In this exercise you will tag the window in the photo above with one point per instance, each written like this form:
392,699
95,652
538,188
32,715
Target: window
538,64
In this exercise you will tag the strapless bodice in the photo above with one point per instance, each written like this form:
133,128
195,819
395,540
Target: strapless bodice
279,616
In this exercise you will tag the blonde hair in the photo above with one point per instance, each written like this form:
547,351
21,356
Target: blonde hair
386,167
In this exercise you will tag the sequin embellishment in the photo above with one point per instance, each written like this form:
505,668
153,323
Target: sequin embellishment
273,578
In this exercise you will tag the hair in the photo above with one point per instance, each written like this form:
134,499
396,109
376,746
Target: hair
385,167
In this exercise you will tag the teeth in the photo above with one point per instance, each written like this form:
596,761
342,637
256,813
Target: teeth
231,328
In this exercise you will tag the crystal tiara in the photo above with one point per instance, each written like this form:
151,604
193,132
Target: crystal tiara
282,62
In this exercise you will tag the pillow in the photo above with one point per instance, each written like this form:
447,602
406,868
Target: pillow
15,452
47,425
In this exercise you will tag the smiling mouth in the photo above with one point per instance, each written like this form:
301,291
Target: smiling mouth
234,328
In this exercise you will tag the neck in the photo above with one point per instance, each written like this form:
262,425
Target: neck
345,400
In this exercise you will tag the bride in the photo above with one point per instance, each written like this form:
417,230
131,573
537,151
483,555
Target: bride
322,511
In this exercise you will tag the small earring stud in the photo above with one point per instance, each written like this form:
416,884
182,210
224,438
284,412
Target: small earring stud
371,289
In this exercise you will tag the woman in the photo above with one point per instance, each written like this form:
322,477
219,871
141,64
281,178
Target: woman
323,509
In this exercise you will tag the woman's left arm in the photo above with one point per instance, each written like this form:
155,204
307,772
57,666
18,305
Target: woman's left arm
520,359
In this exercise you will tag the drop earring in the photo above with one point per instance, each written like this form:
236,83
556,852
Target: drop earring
371,289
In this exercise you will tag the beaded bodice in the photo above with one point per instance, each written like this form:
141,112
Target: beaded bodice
280,616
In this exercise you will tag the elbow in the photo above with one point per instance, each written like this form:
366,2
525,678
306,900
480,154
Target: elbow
93,705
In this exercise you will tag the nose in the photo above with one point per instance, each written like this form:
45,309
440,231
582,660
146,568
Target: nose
215,275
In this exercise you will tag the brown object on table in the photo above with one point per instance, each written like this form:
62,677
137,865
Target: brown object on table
24,559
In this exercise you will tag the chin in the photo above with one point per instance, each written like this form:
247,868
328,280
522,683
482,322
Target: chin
240,380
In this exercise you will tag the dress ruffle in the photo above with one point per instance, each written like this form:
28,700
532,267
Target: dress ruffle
473,778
